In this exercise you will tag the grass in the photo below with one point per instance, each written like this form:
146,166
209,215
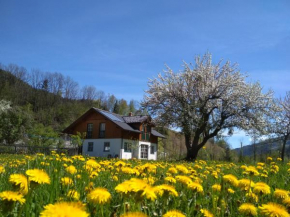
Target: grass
142,196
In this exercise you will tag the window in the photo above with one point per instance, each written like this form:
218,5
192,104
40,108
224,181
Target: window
145,133
127,147
148,129
144,151
152,149
102,130
89,131
90,146
106,147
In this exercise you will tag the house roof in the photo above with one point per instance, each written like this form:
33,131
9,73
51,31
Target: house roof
117,119
155,133
135,119
122,121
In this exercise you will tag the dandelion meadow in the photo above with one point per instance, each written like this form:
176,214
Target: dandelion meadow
78,186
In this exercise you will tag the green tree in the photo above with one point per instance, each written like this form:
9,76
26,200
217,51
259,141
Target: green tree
132,106
116,107
77,141
43,136
13,125
123,107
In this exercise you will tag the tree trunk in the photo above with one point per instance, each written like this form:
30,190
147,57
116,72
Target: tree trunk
192,149
283,148
192,154
80,150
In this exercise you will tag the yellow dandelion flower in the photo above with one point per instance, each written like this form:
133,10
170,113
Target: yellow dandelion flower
273,210
184,179
89,187
252,196
172,170
149,193
206,213
230,191
12,196
123,188
93,174
115,178
280,193
264,175
216,187
71,169
252,171
119,164
150,180
134,214
99,196
196,187
245,184
2,169
137,184
231,179
274,168
261,164
199,180
279,159
182,169
166,190
215,174
127,170
64,209
243,167
170,179
174,213
261,188
38,176
196,166
286,202
91,165
66,181
248,209
269,159
20,181
73,194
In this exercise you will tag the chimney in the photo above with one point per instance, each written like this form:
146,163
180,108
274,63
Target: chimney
130,114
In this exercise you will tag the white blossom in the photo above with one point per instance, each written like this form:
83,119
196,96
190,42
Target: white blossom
205,99
4,106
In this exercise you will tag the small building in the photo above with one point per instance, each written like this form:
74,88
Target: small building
112,135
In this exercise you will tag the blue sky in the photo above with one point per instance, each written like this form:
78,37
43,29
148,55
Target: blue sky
118,45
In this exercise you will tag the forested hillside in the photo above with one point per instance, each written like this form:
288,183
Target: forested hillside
44,103
53,99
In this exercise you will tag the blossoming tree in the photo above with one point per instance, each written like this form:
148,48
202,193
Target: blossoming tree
281,124
205,99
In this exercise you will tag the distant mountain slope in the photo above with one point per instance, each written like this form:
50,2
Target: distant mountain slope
265,147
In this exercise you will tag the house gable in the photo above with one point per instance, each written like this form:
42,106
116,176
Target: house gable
116,126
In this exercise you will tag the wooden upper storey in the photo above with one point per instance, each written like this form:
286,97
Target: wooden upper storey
102,124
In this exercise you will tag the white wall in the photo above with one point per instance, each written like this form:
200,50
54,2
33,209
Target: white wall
98,150
153,156
117,148
150,156
127,155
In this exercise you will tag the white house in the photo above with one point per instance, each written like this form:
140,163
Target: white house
113,135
